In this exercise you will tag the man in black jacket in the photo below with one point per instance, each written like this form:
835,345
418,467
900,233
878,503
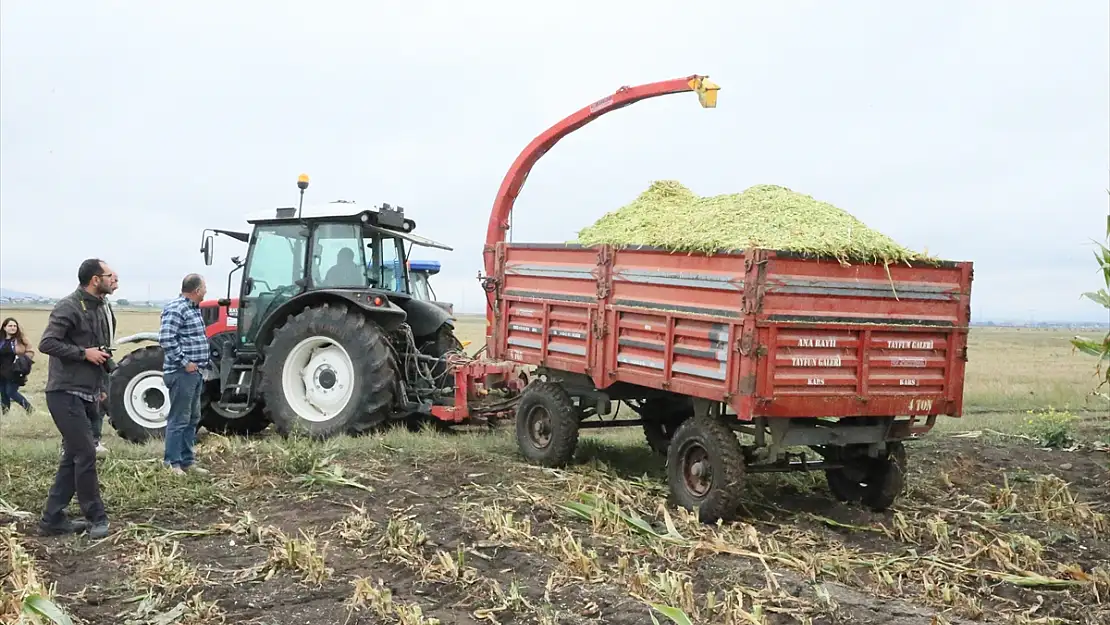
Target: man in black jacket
76,377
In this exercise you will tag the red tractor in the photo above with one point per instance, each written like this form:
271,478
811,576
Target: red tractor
138,400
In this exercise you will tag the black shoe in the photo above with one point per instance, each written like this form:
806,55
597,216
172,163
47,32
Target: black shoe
99,530
69,527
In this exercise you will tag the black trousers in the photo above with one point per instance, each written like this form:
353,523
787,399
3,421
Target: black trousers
77,468
96,419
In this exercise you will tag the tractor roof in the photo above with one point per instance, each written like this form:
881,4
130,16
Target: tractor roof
385,219
426,266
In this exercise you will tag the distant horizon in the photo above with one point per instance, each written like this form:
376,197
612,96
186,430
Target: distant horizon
1010,321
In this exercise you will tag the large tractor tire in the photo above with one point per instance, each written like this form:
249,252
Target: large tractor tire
222,421
328,372
231,423
138,401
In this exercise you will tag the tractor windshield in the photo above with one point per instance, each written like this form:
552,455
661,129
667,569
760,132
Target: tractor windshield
273,275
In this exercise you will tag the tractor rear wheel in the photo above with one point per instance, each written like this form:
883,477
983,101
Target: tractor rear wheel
327,372
220,421
440,344
138,401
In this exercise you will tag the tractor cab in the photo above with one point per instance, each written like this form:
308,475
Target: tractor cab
420,271
340,248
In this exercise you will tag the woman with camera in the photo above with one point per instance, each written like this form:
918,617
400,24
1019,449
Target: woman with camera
13,348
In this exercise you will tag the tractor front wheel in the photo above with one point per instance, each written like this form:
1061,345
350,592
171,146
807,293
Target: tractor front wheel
328,372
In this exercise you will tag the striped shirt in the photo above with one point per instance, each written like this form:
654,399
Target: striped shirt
182,336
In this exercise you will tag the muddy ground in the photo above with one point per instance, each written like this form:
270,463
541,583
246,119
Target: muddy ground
989,531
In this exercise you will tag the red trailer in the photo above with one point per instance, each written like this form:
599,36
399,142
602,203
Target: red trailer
734,360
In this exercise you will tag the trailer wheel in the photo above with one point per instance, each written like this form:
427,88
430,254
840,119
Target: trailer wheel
327,372
874,482
705,469
546,424
662,418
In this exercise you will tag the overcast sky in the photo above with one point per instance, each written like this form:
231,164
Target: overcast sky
979,130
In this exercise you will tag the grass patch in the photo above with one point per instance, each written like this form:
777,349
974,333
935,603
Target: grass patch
130,481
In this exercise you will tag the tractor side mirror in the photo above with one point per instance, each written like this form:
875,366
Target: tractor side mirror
207,250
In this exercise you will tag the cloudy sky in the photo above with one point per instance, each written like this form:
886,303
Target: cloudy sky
979,130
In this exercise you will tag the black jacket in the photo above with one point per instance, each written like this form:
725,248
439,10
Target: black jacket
7,359
76,323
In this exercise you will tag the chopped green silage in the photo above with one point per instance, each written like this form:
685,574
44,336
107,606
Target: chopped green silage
670,216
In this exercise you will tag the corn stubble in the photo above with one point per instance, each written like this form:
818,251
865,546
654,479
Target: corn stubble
670,216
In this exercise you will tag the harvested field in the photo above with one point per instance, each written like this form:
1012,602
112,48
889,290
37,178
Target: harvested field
420,528
670,216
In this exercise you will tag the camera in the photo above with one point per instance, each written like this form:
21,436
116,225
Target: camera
109,364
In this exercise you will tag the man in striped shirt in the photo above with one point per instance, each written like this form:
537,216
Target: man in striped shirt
186,350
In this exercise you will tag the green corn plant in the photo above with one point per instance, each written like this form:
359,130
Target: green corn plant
36,607
1100,348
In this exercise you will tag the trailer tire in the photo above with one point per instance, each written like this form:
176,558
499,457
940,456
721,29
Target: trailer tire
546,425
662,418
344,357
874,482
706,443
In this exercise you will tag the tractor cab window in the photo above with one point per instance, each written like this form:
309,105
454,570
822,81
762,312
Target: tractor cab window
274,267
420,288
276,260
338,260
387,269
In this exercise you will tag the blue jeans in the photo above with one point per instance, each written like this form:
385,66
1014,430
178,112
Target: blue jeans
184,415
9,392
